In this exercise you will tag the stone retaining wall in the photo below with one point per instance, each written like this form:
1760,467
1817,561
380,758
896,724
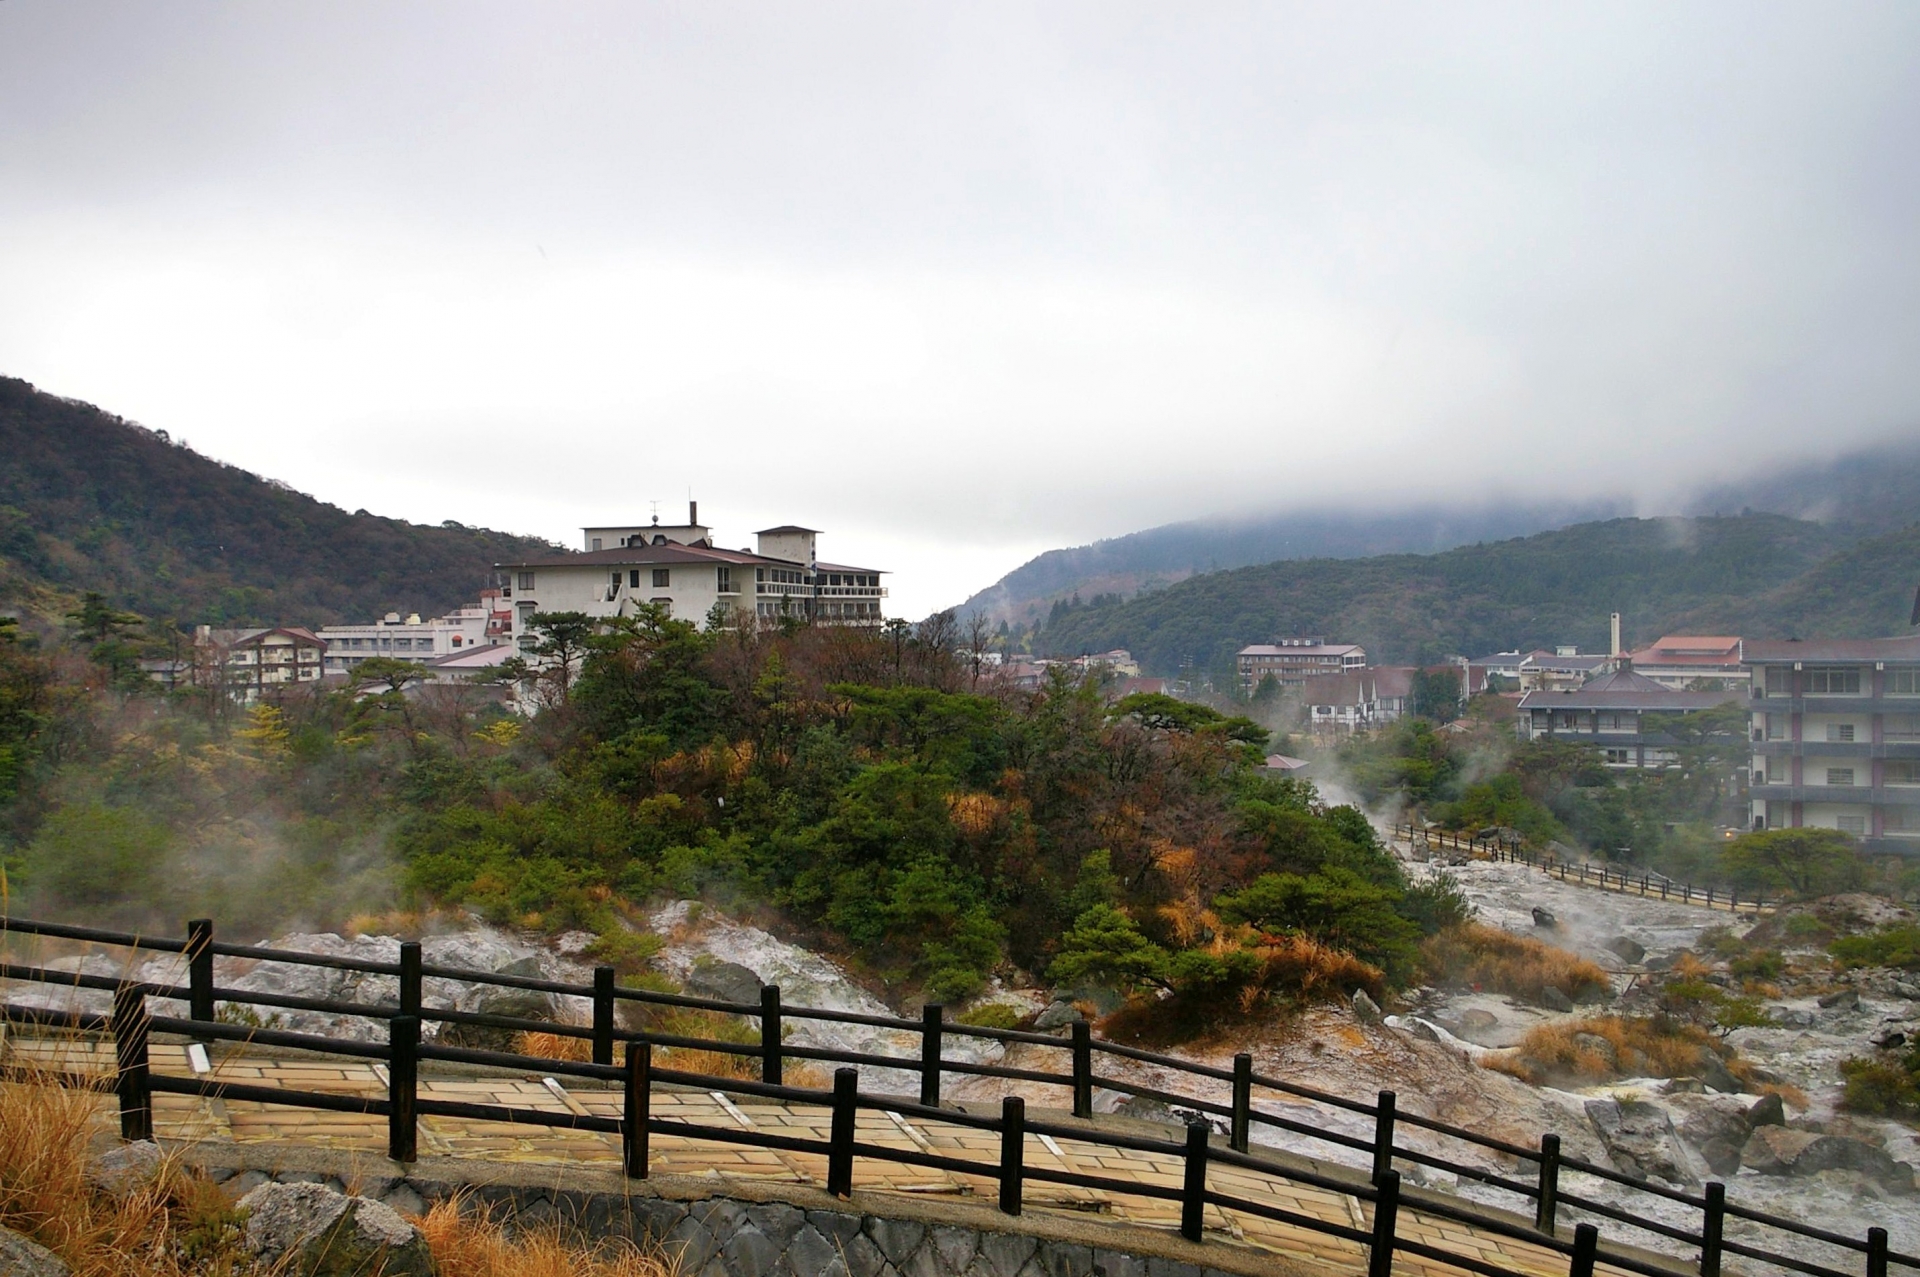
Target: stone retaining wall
756,1229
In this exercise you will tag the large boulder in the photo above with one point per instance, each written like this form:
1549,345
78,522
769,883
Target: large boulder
523,1004
309,1230
1058,1015
723,982
1781,1150
1627,949
24,1257
125,1169
1639,1139
1719,1121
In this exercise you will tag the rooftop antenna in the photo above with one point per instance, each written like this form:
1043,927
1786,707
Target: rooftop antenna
656,512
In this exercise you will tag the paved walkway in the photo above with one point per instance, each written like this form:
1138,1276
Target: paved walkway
194,1119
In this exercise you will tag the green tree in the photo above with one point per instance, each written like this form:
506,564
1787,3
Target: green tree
1804,862
1104,947
560,641
1436,694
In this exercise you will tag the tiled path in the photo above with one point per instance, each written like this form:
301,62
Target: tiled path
190,1118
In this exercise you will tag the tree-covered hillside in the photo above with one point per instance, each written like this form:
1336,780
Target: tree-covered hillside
1759,575
89,501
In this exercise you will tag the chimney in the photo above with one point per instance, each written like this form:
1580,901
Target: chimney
1616,636
693,513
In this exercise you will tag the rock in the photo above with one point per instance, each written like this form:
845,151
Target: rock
1142,1109
1684,1086
1721,1156
315,1232
1058,1015
1554,1000
1780,1150
724,982
1714,1072
1843,1000
126,1169
1791,1017
1544,918
1639,1139
1889,1038
24,1257
1626,948
1104,1001
524,1004
1365,1009
1716,1121
1415,1027
528,966
1599,1046
1768,1110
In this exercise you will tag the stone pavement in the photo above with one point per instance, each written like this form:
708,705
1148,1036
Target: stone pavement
192,1119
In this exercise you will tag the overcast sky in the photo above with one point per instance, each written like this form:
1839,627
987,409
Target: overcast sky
959,283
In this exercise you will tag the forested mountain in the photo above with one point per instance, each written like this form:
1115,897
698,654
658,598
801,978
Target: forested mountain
1160,556
1760,575
1865,493
89,501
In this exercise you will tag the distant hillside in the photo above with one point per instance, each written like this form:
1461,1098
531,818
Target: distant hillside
1867,493
1160,556
89,501
1761,575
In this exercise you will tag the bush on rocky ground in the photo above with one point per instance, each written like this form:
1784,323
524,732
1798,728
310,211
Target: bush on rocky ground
1600,1048
1475,954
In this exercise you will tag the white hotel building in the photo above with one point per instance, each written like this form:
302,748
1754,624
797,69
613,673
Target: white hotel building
678,566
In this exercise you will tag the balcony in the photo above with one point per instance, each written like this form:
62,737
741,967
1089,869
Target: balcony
1903,747
1855,795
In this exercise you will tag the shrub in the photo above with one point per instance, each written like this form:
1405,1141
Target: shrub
1657,1046
1885,1086
989,1015
1476,954
1887,947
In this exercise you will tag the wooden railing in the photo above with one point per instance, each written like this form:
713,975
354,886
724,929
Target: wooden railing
1539,1188
1611,877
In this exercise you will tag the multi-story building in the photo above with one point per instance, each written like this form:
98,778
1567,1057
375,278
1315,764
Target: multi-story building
1292,661
1340,704
1836,737
695,582
247,663
1611,714
412,639
1687,662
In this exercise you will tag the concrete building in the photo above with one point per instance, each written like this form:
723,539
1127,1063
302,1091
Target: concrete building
1293,661
1610,713
783,577
1340,704
248,663
1836,737
412,639
1687,662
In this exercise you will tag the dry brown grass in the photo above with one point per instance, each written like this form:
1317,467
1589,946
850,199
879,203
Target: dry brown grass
1656,1046
1476,954
471,1243
1307,971
554,1046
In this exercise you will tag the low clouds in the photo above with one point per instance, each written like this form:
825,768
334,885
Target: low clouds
962,285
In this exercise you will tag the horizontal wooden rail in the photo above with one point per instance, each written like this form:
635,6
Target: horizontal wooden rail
131,1024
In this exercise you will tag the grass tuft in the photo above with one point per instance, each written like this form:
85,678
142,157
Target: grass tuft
1520,966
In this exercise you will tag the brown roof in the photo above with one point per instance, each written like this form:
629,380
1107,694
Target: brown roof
786,527
1906,648
1688,649
1357,687
1624,689
621,556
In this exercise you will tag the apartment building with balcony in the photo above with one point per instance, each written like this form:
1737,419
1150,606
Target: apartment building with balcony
1618,715
783,577
1292,661
249,663
413,639
1836,737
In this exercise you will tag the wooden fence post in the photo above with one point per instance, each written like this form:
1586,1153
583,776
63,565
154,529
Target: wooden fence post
403,1088
410,978
200,969
1876,1252
1193,1194
1386,1217
1082,1069
1013,1151
1548,1203
772,1067
1383,1137
1710,1229
1242,1102
130,1027
930,1048
639,1109
846,1084
603,1015
1586,1246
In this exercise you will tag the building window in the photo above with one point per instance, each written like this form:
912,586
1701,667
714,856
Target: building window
1851,824
1840,775
1779,680
1902,726
1833,680
1902,771
1840,731
1900,820
596,543
724,578
1776,727
1619,757
1903,682
526,580
660,578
